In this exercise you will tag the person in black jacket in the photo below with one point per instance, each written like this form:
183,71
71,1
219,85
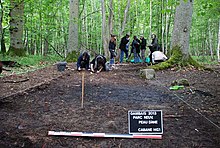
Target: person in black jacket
135,49
143,47
124,47
83,61
112,48
153,46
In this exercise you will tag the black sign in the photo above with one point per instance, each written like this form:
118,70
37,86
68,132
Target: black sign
145,122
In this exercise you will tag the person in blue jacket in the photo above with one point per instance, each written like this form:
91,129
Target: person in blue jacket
83,61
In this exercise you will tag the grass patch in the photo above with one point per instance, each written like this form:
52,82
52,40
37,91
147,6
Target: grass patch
29,63
178,59
206,60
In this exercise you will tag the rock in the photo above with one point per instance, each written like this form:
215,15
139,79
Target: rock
147,73
61,66
183,82
111,125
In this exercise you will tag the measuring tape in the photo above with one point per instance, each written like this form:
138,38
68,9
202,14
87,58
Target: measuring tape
102,135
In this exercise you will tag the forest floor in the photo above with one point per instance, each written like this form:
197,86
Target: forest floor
34,103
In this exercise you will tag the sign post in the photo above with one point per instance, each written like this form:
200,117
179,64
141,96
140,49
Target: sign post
145,122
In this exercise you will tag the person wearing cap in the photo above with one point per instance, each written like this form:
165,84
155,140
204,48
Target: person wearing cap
124,47
143,47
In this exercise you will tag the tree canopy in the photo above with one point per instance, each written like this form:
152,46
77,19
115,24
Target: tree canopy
46,24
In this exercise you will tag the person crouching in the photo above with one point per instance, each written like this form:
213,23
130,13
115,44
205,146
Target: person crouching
83,61
98,64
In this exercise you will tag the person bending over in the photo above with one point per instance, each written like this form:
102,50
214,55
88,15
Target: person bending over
98,64
83,61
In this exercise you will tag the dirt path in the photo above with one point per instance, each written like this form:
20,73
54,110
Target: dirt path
56,105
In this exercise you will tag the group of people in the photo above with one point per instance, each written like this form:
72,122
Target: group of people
138,46
97,65
138,49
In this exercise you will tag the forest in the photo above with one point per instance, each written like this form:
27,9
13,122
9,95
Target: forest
44,27
46,101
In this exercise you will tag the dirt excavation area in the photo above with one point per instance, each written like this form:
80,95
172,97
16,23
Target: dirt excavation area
45,100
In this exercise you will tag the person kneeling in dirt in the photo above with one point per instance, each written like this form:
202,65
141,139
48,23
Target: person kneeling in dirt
98,64
158,56
83,61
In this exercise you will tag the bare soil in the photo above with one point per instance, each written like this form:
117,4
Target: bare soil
34,103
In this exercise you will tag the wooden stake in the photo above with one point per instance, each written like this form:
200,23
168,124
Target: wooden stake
83,77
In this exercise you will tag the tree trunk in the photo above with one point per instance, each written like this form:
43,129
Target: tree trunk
104,28
2,39
182,26
218,49
16,28
210,39
72,44
1,28
180,38
111,17
46,46
125,18
166,28
150,24
163,30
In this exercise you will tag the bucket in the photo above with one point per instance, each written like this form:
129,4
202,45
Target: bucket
61,66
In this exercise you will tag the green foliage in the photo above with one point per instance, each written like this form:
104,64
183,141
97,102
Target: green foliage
16,52
39,60
73,56
30,62
205,60
176,59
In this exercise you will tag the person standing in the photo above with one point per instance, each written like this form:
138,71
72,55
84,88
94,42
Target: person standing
153,46
143,47
135,48
112,47
124,47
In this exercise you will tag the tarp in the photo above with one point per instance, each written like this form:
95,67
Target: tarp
147,60
158,56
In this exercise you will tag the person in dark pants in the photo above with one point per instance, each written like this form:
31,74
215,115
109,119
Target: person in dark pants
153,46
98,64
83,61
112,47
143,47
135,49
123,47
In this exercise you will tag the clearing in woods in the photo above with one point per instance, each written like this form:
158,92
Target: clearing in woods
34,103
